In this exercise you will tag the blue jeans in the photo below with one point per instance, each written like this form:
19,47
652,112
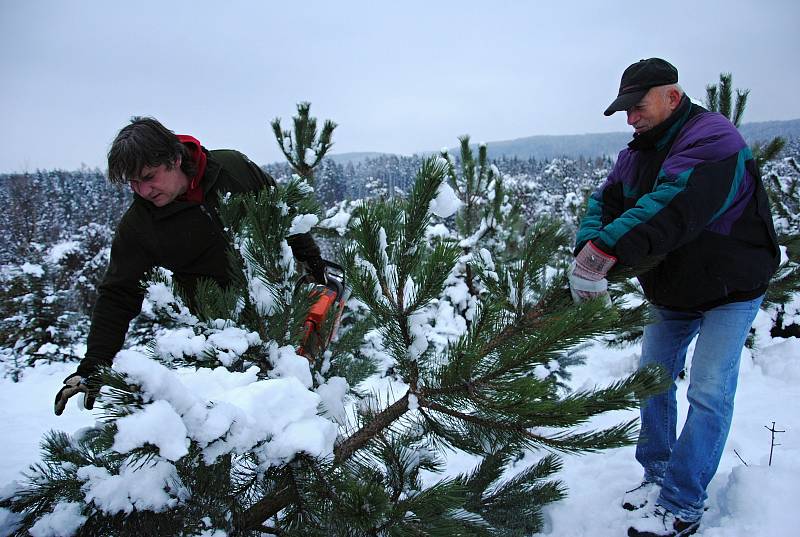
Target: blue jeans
684,466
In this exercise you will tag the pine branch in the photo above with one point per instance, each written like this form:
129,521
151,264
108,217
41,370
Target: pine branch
431,275
741,104
725,94
436,511
325,142
488,471
296,144
541,335
282,137
712,98
517,503
270,506
768,152
623,434
416,214
346,359
380,421
452,178
783,285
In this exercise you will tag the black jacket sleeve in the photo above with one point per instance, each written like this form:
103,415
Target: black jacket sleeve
119,300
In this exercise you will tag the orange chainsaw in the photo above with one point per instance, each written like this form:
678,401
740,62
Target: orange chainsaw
326,311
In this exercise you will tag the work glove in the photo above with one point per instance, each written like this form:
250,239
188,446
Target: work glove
587,274
75,384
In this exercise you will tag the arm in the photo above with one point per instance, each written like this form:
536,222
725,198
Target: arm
605,203
695,187
119,300
587,274
683,203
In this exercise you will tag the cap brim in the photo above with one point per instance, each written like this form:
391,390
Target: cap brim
625,101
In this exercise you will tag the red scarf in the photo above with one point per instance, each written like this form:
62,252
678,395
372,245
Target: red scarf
195,191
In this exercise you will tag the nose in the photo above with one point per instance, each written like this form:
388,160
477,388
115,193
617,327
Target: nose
633,116
140,188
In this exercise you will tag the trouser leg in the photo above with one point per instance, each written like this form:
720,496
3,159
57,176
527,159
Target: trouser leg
665,343
712,387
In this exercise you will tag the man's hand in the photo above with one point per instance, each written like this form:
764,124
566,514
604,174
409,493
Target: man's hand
587,275
75,384
316,266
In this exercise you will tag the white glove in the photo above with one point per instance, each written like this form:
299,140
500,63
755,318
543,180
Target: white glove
583,289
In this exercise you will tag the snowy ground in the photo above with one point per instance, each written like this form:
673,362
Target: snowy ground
754,500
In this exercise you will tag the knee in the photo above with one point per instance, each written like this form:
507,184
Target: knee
711,397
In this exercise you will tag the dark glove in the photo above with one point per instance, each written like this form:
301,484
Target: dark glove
316,266
587,276
75,384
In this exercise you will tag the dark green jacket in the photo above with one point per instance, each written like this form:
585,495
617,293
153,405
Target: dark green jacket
184,237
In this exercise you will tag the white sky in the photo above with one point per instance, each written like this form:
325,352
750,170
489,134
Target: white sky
397,76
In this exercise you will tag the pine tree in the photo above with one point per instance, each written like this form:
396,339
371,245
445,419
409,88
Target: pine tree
474,393
39,322
79,263
486,220
486,210
782,179
46,299
331,184
719,98
304,147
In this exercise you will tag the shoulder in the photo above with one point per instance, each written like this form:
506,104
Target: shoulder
712,131
706,138
237,171
229,157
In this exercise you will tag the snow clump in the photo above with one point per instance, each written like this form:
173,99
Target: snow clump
446,202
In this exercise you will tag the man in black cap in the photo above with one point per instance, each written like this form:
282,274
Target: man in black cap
685,198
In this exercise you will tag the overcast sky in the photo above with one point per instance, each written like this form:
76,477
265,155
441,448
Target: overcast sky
396,76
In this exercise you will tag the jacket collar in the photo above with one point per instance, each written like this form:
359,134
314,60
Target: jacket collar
199,155
662,134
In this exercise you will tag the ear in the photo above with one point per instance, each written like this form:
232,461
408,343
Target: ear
178,161
673,98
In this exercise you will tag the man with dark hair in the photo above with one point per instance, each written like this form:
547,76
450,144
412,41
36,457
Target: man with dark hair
685,198
171,223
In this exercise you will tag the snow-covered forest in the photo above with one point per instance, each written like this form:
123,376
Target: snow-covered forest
464,393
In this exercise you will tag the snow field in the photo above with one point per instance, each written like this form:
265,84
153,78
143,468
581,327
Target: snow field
754,500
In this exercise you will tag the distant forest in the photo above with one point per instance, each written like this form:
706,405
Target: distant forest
47,206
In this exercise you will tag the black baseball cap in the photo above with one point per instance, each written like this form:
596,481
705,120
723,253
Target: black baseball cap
638,79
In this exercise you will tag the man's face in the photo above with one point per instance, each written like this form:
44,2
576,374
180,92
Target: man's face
655,107
159,185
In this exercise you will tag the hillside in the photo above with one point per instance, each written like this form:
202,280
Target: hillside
545,147
609,143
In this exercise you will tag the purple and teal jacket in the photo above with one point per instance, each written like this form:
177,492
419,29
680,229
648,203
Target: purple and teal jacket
687,193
